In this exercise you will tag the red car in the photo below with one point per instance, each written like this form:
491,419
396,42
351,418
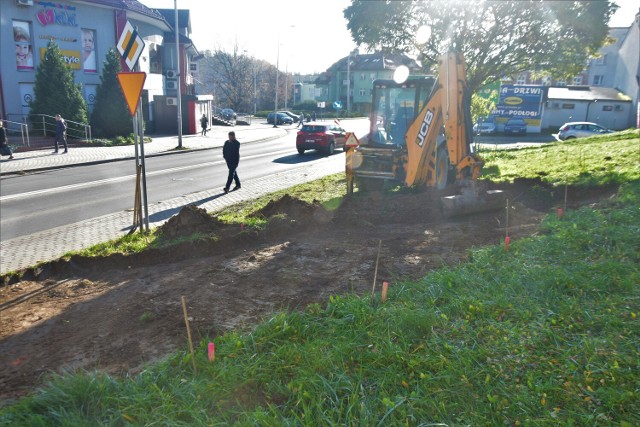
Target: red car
320,136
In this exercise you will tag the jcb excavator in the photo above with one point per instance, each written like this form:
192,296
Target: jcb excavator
407,144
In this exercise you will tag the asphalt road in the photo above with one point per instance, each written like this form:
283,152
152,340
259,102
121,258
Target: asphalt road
48,199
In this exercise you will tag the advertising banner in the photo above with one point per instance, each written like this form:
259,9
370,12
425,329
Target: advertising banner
520,101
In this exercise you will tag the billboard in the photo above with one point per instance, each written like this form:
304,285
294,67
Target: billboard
521,101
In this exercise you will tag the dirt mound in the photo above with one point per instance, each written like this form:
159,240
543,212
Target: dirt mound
288,209
118,313
191,219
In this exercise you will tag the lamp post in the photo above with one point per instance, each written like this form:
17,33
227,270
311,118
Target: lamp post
175,7
354,52
275,111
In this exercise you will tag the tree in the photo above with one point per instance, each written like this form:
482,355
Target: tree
229,77
497,38
55,91
111,115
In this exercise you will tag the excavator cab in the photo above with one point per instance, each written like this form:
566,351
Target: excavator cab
395,107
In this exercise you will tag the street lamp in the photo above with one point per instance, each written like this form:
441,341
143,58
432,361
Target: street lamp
353,52
175,7
275,111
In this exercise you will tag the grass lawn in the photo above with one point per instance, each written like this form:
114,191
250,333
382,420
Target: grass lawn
544,334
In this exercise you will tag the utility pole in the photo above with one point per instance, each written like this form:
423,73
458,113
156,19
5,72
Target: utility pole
175,6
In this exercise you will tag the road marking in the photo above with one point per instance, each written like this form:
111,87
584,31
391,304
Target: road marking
128,177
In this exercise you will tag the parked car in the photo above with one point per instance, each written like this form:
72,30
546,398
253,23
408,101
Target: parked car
228,114
293,116
282,119
485,126
573,130
515,126
320,136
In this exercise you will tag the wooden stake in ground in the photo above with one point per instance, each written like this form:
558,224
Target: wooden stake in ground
375,274
507,239
186,322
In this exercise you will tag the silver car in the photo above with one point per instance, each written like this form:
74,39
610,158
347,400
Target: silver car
580,129
485,126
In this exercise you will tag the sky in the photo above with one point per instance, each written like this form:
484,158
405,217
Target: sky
302,36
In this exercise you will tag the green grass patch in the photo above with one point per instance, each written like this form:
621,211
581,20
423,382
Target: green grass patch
545,334
328,191
600,160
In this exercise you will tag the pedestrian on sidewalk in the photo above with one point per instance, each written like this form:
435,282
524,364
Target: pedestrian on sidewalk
5,150
204,122
61,133
231,154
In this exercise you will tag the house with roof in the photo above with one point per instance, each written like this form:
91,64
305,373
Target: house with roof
603,105
350,79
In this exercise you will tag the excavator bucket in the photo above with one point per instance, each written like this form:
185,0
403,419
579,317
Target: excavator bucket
469,201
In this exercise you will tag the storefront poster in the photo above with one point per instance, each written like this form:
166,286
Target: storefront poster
24,50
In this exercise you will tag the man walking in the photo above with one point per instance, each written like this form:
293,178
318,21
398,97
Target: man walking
61,133
231,154
204,122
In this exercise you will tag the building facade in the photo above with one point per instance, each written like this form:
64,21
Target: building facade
350,80
85,30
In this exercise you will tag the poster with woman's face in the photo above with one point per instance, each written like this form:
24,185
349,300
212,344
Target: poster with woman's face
24,51
88,50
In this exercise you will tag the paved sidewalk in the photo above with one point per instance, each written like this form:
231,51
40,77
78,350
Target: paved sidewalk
25,251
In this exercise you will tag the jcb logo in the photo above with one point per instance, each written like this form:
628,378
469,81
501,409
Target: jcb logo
424,128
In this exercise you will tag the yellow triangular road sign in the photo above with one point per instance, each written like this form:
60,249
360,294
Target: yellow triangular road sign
132,84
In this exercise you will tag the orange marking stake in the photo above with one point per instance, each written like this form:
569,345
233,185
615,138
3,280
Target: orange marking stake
385,287
560,214
212,352
507,240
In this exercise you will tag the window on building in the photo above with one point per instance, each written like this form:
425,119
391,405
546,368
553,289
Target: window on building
522,79
24,48
88,38
546,81
607,108
577,80
601,60
598,80
362,92
363,77
568,106
561,83
372,77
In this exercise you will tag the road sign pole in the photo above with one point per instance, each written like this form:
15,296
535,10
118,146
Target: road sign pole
142,162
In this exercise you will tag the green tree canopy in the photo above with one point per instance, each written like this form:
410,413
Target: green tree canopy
497,38
55,90
110,115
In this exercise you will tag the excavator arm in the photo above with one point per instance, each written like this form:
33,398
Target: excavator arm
448,105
